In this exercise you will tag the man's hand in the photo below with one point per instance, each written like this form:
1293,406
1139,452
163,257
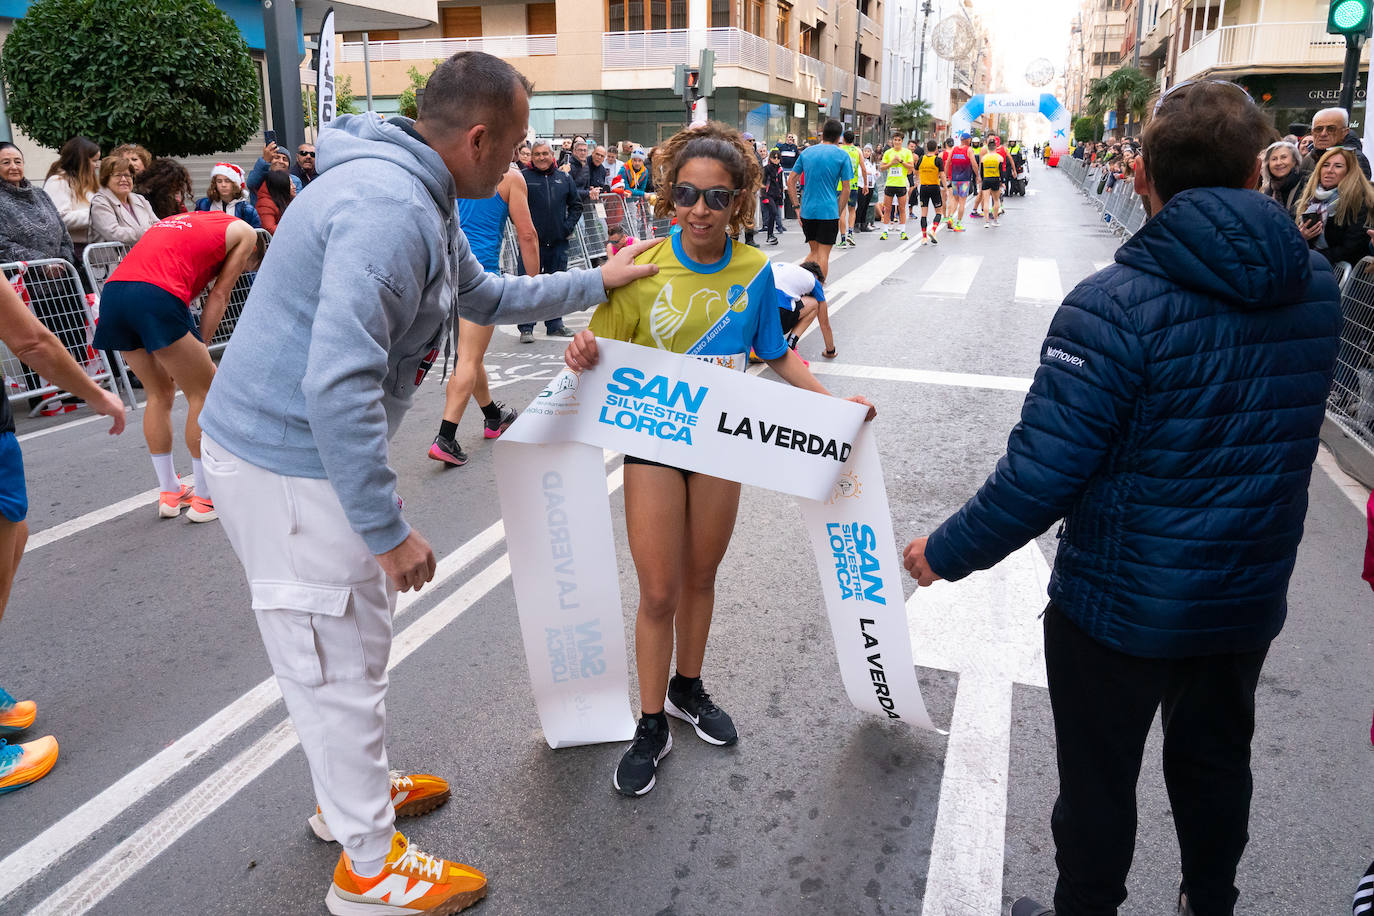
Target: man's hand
581,353
269,151
860,399
914,559
410,564
620,268
107,405
216,303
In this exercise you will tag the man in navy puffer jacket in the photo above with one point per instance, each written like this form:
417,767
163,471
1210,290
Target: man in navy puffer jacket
1172,425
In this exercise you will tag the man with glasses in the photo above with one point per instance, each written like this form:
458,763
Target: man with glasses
787,155
1331,127
304,169
1172,426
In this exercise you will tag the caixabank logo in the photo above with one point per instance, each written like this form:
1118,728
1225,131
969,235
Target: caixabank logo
652,405
856,566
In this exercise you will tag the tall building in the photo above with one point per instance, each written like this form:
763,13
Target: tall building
913,69
604,68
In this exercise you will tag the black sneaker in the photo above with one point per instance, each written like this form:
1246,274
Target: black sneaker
635,774
710,721
560,332
448,451
1028,907
494,428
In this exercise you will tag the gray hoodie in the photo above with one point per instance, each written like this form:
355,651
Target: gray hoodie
349,311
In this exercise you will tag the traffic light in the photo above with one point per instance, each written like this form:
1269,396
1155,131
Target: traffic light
687,82
1350,17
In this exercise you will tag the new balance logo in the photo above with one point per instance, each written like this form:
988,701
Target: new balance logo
1056,353
396,888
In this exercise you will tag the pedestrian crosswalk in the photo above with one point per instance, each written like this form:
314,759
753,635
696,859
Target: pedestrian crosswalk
954,276
1037,280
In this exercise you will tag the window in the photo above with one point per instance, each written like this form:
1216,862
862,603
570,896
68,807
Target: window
807,41
637,15
753,16
1102,59
541,19
721,14
784,36
462,21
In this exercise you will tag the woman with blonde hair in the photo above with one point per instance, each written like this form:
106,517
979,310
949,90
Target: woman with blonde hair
1334,207
716,301
72,183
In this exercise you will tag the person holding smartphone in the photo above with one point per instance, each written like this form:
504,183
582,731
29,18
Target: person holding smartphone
1335,207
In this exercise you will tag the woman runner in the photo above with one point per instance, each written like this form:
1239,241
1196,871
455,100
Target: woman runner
713,300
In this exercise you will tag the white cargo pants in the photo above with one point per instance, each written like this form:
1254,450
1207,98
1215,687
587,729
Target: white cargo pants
324,609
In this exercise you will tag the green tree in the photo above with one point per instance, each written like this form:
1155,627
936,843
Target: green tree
173,75
911,116
406,100
344,100
1126,91
1086,128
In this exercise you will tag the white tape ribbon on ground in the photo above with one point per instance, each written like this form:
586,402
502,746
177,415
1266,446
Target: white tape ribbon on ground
690,414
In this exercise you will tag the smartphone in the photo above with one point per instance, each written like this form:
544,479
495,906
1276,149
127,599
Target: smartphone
1310,219
269,137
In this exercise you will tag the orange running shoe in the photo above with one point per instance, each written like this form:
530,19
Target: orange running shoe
169,504
202,510
410,883
17,715
412,794
22,764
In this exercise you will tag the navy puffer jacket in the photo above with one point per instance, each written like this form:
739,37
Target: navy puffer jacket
1172,424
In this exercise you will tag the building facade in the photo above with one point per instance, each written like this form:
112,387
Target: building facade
604,68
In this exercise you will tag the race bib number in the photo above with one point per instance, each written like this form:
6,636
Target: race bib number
896,172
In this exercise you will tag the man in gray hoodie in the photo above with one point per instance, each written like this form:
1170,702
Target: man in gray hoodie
347,314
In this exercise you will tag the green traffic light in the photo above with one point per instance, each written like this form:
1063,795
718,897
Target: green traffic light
1349,17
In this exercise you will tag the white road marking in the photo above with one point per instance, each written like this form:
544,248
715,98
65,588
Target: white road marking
145,500
102,877
953,277
924,376
52,844
1037,280
1356,492
985,628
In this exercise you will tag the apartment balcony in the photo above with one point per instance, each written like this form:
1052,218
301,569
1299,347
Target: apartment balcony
428,49
824,5
669,47
1265,44
784,63
868,25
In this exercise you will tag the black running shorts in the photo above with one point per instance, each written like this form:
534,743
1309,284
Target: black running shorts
930,194
992,184
895,190
820,231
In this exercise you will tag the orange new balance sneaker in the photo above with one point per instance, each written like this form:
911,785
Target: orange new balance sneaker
17,715
170,504
22,764
412,794
202,510
410,883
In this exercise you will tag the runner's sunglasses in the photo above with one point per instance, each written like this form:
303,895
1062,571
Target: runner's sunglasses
685,195
1172,89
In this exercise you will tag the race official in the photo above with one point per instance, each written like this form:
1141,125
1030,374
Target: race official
348,312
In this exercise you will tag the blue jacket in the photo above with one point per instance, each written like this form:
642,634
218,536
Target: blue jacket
1172,424
242,208
258,175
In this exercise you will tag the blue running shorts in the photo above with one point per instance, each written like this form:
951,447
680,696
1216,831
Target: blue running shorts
14,497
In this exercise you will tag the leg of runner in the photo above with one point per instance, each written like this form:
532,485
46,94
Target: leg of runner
160,391
902,208
469,379
188,362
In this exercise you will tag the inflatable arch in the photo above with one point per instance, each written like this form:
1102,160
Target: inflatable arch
1006,103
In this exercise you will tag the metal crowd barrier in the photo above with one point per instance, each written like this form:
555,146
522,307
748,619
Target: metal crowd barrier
1121,207
52,289
101,258
1350,404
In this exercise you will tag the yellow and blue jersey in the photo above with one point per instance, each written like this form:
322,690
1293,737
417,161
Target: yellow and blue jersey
715,312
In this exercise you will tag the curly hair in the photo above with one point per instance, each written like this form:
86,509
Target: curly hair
161,183
712,140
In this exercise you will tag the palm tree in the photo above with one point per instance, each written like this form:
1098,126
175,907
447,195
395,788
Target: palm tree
1126,90
912,115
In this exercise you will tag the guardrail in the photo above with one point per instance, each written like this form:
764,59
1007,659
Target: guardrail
441,48
52,290
1121,207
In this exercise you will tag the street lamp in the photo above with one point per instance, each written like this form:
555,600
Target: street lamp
926,10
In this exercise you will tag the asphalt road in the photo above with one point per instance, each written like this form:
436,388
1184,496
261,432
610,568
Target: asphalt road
180,789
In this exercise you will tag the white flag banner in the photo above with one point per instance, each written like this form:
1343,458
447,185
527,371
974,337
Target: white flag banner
324,74
690,414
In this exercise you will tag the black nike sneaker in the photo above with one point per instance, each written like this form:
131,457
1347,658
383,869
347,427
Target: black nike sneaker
635,774
448,451
491,429
712,724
